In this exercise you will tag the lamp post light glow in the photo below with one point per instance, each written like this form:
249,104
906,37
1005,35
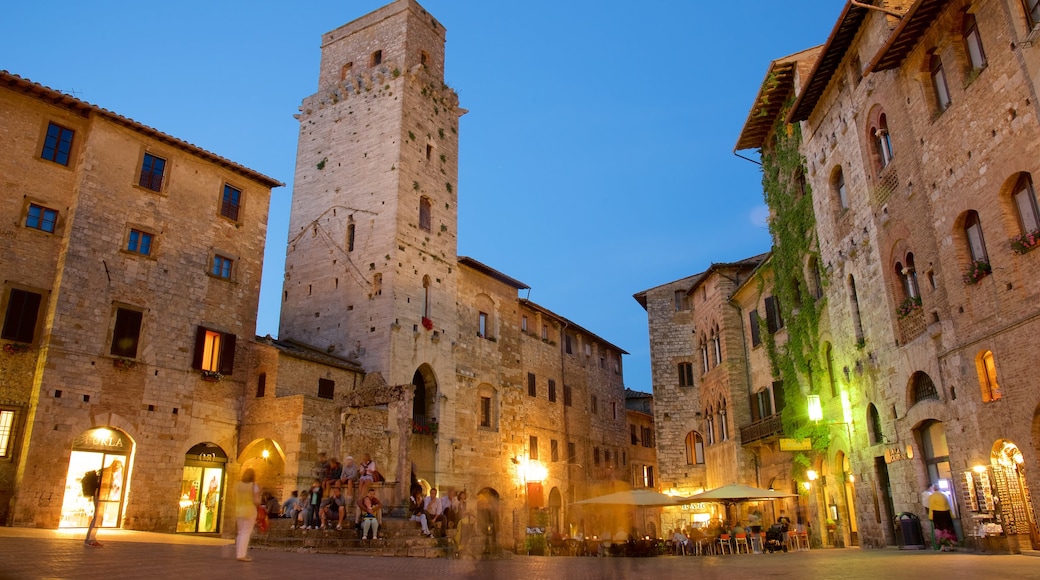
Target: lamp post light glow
535,471
815,408
811,474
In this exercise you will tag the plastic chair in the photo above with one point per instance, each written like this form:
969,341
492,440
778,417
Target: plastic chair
757,542
803,541
723,543
741,540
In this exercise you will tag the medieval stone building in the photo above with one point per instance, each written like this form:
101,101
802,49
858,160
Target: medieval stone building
130,306
909,139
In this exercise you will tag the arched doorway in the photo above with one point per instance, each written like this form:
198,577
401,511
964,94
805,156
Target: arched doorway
266,458
424,409
202,489
1009,482
105,449
556,510
488,518
848,511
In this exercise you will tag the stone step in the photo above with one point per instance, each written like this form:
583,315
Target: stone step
398,537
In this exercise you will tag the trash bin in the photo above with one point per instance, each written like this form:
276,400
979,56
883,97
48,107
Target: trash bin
910,526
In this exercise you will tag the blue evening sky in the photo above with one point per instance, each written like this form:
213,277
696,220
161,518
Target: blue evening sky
596,158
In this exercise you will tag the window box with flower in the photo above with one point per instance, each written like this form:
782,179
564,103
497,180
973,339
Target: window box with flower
123,363
425,427
1023,243
17,347
908,306
977,270
212,376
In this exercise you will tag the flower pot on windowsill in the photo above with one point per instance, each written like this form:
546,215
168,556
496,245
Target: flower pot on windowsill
211,376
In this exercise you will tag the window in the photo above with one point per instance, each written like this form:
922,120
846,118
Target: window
345,70
523,323
214,351
987,370
817,277
554,450
532,449
326,389
377,58
942,92
425,210
552,391
694,448
567,344
139,242
756,332
723,422
973,233
882,141
41,218
922,387
908,277
594,405
485,411
681,301
221,267
647,436
705,362
261,385
685,374
774,321
606,457
230,202
1032,12
973,43
152,169
716,343
778,396
126,334
532,385
710,422
58,144
545,332
874,424
567,401
572,452
648,476
482,325
613,409
423,57
23,309
1025,203
632,433
350,237
839,188
595,456
6,430
588,349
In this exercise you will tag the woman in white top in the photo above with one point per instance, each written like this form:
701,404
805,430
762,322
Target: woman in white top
247,499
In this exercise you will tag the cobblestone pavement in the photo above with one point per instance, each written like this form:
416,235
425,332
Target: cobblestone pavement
40,554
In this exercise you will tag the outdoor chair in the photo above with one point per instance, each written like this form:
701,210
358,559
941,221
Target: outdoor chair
741,540
724,545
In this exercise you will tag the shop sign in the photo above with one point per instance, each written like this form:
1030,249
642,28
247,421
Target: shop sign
788,444
893,454
101,439
695,507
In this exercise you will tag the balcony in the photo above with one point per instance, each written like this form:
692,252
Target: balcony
771,425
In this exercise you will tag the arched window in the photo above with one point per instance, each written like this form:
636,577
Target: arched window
874,424
716,343
973,235
854,303
942,91
705,361
973,43
815,277
426,297
882,141
694,448
922,387
723,423
838,182
987,370
1025,204
710,421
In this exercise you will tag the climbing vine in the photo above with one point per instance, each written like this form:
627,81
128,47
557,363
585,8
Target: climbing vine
796,362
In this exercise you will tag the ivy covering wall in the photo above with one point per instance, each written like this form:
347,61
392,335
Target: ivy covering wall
798,361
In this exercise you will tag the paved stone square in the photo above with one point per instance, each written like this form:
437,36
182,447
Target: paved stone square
33,554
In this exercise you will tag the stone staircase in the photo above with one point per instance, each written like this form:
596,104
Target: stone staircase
399,536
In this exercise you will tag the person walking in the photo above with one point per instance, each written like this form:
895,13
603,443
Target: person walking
91,484
247,500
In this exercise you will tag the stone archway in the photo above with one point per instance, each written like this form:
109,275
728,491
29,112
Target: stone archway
1009,483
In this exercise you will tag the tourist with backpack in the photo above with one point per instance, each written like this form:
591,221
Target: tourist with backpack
91,487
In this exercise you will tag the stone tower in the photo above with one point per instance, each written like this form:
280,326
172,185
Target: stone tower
371,262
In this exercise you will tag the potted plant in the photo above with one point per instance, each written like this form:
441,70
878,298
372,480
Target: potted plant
211,376
908,306
1022,243
944,540
977,270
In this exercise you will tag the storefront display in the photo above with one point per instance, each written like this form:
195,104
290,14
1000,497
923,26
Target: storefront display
202,489
101,449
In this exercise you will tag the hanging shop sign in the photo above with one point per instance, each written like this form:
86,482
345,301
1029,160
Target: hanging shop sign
893,454
789,444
